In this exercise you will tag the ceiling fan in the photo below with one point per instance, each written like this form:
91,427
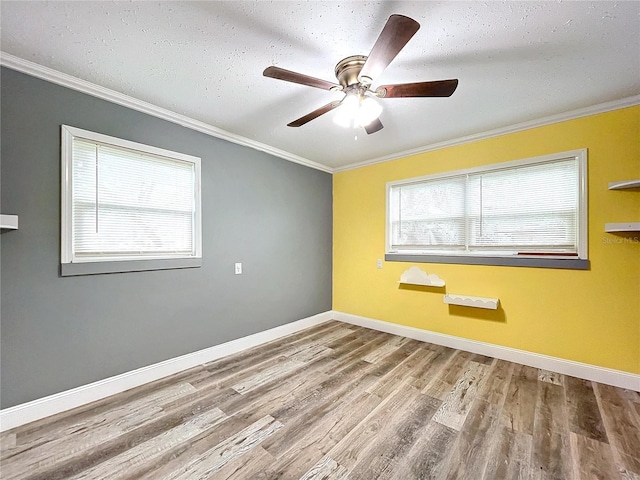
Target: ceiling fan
355,76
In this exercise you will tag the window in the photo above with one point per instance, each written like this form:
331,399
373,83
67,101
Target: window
127,206
529,212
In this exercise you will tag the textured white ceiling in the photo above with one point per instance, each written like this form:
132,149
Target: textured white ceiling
516,62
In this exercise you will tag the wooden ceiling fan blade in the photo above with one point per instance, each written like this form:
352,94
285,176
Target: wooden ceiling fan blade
315,114
394,36
374,126
295,77
439,88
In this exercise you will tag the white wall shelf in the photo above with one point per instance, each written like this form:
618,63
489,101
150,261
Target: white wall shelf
469,301
8,222
622,227
416,276
624,184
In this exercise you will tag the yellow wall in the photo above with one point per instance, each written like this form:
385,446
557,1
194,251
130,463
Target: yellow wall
588,316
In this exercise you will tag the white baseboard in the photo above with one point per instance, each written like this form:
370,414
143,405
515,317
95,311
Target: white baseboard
617,378
43,407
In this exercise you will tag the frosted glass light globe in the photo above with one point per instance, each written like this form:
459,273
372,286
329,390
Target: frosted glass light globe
357,111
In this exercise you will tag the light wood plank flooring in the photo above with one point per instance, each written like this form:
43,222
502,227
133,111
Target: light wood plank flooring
335,402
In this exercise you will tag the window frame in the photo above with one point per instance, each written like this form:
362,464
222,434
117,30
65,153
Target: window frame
72,265
580,262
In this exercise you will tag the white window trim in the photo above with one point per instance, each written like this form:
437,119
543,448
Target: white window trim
485,258
84,266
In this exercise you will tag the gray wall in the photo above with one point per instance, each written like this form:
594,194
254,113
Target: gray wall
58,333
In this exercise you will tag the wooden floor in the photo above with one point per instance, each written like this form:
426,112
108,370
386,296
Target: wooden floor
338,401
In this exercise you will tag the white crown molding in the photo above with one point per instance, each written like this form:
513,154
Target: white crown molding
518,127
60,402
59,78
608,376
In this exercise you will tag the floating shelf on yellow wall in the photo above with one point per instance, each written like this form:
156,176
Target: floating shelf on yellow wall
468,301
624,226
417,276
624,184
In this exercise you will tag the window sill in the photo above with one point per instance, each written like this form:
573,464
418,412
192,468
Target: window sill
539,262
98,268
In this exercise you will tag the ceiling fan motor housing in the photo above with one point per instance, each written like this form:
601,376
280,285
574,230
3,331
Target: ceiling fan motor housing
355,75
348,69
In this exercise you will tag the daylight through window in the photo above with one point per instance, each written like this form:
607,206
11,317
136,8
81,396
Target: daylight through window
534,207
126,201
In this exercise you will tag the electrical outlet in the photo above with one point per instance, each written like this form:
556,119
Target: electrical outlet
238,268
379,263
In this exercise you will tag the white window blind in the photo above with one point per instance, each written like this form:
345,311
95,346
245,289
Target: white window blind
129,204
520,208
529,209
429,214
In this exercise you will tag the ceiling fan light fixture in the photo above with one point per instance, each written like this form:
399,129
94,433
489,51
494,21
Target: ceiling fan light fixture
347,112
369,111
355,76
357,111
